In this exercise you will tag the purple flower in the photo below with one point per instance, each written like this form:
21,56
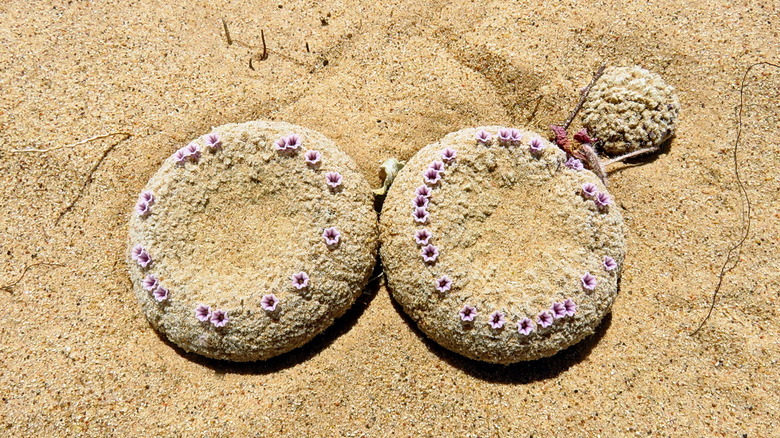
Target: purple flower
430,253
589,191
331,236
497,319
160,294
203,312
602,200
281,144
333,179
293,141
468,313
192,151
443,284
422,236
544,319
448,154
213,142
431,176
423,191
536,146
588,281
269,302
150,283
558,310
180,157
420,215
420,201
574,164
609,263
219,318
483,137
141,256
437,166
142,208
147,196
300,280
525,326
504,136
515,137
312,157
570,307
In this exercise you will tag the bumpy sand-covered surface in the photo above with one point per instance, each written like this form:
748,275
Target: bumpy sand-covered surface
382,79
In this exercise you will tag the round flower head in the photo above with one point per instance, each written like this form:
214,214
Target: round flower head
589,191
219,318
213,142
312,157
544,319
300,280
443,284
497,319
269,302
331,236
602,200
420,215
468,313
525,326
437,166
429,253
558,310
192,151
422,236
203,312
160,294
504,136
293,142
448,154
536,146
151,282
431,176
423,191
570,306
574,164
483,137
420,201
333,179
609,263
588,281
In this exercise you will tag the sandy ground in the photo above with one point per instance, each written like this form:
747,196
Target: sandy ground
383,79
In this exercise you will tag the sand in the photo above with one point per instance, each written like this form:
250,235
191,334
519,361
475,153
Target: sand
383,79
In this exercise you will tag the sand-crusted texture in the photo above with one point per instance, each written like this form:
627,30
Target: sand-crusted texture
235,226
630,108
514,235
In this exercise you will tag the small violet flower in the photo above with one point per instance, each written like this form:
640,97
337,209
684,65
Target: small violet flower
468,313
142,208
589,191
430,253
147,196
420,201
437,166
558,310
497,319
515,137
570,306
504,136
423,191
203,312
443,284
536,146
602,200
448,154
574,164
422,236
192,151
609,263
544,319
151,282
288,143
483,137
333,179
219,318
269,302
180,157
589,281
331,236
312,157
280,144
420,215
431,176
141,256
160,294
213,142
525,326
300,280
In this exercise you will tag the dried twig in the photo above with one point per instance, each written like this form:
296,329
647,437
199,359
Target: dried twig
9,287
227,32
583,96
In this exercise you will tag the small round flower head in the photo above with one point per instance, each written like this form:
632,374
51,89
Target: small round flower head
203,312
160,294
192,151
525,326
437,165
151,282
570,306
574,164
448,154
431,176
312,157
602,200
147,196
142,208
180,157
544,319
536,146
293,142
213,142
589,191
423,191
483,137
422,237
333,179
420,214
300,280
141,256
468,313
420,201
219,318
443,284
497,319
504,136
558,310
331,236
269,302
515,137
429,253
609,263
588,281
280,144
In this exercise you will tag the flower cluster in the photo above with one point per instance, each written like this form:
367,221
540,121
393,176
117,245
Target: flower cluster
497,319
218,317
191,152
288,143
601,199
152,284
141,256
144,204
